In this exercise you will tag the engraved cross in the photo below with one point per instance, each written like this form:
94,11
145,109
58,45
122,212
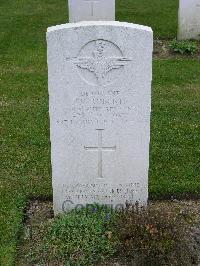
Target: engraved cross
92,2
100,149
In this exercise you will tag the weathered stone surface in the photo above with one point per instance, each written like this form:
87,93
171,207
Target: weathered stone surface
90,10
189,19
100,102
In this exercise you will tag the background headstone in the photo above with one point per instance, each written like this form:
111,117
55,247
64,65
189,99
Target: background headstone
91,10
189,19
100,103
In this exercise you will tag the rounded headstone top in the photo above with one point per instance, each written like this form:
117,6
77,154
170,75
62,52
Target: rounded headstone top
98,23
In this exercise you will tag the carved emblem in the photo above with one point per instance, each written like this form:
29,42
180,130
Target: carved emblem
94,58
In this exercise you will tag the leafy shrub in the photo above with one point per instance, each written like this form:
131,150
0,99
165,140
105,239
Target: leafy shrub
80,237
153,237
184,47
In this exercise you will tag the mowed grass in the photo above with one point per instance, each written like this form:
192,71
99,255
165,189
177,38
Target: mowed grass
25,150
175,138
161,15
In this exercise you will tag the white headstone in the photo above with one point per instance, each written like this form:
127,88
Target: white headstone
91,10
100,101
189,19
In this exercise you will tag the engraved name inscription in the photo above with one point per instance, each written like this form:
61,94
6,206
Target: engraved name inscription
100,108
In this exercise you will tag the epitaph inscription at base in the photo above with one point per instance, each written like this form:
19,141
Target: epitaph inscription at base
100,103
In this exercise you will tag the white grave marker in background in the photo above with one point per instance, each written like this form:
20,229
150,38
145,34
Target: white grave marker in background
189,19
91,10
100,103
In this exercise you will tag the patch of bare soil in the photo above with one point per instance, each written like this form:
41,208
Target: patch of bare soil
162,50
39,212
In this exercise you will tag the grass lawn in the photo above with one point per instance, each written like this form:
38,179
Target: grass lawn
25,152
161,15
